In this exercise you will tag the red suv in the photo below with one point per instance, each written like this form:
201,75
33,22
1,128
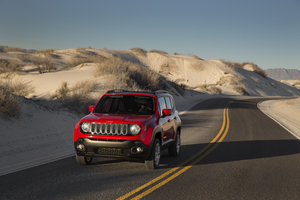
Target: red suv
129,124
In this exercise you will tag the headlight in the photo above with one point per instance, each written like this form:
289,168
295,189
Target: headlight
85,127
135,129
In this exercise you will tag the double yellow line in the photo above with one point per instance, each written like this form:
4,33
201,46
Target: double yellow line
207,149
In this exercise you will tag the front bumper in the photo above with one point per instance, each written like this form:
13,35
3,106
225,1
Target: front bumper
109,148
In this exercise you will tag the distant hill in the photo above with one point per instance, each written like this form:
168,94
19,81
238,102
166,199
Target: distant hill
280,73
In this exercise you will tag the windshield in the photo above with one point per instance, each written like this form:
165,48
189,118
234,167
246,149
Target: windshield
126,104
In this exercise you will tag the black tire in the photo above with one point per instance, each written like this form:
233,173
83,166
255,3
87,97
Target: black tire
83,160
175,148
153,161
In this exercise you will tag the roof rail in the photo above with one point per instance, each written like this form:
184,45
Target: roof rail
161,91
117,90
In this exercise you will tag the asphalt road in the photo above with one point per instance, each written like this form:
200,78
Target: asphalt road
230,150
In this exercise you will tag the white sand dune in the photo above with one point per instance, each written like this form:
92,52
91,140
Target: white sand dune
44,131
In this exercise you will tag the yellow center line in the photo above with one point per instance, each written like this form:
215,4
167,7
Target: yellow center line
187,167
182,164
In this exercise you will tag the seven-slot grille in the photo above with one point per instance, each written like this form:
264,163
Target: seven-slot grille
109,129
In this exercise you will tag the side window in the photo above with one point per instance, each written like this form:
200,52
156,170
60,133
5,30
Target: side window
162,104
168,101
172,103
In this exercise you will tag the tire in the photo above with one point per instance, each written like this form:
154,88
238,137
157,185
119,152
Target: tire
175,148
83,160
154,158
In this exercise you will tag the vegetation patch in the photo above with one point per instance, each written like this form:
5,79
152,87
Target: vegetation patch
10,101
139,51
23,57
132,75
73,98
44,64
236,65
9,66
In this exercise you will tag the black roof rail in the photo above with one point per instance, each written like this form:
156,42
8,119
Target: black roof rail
117,90
161,91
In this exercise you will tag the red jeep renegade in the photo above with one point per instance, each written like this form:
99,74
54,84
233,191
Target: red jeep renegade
128,124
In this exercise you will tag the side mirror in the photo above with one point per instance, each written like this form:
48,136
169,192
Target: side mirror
91,108
167,112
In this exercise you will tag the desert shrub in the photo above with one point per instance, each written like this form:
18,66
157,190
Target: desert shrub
63,91
297,83
295,78
23,57
139,51
214,90
44,64
46,51
233,65
240,90
10,92
115,66
9,103
258,70
175,53
9,66
89,47
158,51
78,97
13,49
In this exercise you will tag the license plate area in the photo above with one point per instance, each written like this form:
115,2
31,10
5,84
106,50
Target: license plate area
108,151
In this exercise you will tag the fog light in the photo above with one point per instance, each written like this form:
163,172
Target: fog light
135,150
80,147
139,149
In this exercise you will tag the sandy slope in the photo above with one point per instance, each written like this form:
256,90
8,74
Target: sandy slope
284,112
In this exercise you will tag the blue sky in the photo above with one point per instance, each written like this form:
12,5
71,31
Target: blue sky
266,32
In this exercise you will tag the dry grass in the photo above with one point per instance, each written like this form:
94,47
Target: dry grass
158,51
139,51
23,57
44,64
296,78
78,97
9,66
10,92
84,57
236,65
45,51
130,74
210,88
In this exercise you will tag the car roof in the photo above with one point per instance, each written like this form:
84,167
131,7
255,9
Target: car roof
122,91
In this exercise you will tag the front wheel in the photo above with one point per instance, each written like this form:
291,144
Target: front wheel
83,160
154,158
175,148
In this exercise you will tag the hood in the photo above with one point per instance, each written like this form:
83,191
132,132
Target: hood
116,118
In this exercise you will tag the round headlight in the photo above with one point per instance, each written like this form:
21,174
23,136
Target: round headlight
135,129
85,127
